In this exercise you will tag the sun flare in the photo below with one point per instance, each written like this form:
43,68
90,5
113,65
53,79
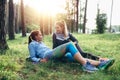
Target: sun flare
47,6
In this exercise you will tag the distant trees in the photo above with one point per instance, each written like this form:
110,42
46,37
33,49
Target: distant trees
101,21
72,8
19,16
3,43
76,15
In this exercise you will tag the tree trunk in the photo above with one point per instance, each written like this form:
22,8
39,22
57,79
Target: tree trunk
77,14
3,43
41,24
111,16
80,17
84,22
22,20
11,21
50,24
46,28
16,18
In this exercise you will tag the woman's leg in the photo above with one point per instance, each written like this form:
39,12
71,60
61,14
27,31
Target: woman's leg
70,47
86,55
93,62
69,57
61,50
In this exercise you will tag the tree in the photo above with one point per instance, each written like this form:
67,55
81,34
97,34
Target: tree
77,14
16,18
42,24
46,27
85,12
111,16
81,13
22,20
3,43
101,22
51,20
11,21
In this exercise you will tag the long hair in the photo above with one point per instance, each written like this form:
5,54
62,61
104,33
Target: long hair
63,25
32,36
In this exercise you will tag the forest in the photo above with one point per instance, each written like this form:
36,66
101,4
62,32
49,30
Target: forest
18,18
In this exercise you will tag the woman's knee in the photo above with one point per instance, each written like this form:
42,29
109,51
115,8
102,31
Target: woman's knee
71,43
69,56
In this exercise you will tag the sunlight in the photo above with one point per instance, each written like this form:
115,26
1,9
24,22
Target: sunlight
16,1
47,6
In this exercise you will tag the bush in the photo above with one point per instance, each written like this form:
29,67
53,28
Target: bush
31,27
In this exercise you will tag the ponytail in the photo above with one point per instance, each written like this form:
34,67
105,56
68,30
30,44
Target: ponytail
65,32
32,36
29,39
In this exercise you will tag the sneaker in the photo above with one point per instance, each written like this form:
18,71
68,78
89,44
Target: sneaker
105,64
88,67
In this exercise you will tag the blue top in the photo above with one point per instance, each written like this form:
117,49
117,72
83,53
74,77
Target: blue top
38,51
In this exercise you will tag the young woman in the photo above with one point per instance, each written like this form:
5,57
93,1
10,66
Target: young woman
62,36
39,52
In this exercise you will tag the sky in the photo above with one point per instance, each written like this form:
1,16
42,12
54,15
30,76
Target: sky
105,7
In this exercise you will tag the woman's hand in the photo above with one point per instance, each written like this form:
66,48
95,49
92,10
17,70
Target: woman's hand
75,42
43,60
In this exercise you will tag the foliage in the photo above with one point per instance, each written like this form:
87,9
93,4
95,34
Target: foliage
69,22
61,16
101,22
31,27
13,65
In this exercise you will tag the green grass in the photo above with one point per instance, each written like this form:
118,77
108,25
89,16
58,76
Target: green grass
13,65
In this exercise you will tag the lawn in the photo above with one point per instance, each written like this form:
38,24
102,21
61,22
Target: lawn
13,64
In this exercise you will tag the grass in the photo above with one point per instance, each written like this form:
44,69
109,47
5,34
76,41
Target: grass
13,65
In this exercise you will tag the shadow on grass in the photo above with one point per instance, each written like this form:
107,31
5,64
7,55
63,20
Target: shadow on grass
50,70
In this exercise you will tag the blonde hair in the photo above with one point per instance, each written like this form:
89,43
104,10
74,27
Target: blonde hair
63,25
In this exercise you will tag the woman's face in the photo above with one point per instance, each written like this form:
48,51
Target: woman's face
58,29
39,37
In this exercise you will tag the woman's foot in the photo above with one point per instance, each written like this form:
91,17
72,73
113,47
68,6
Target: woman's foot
105,64
88,67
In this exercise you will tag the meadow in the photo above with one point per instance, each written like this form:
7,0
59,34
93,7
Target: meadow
13,64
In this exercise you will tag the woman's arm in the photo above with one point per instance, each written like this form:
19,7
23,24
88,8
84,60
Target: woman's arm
33,54
73,39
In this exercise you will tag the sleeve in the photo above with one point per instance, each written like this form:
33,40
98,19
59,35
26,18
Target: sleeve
33,54
54,41
72,38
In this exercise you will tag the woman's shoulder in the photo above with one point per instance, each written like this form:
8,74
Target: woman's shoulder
33,43
54,34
